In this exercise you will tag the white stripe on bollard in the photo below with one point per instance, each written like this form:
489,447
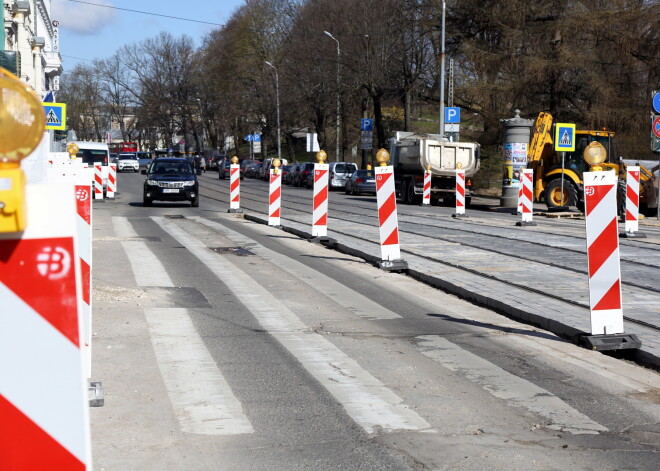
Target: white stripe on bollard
274,197
320,204
460,193
526,179
387,215
600,190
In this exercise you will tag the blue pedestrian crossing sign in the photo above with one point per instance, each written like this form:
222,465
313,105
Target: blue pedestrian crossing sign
55,116
564,137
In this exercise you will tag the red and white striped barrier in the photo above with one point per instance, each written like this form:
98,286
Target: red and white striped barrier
426,195
387,216
234,188
460,193
600,190
83,193
520,196
632,200
526,183
112,181
98,181
320,205
43,393
274,197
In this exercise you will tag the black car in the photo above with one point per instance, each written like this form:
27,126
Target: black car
170,179
224,170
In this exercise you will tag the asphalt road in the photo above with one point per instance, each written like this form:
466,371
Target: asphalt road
226,344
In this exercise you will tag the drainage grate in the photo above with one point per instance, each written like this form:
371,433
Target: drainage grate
232,251
175,216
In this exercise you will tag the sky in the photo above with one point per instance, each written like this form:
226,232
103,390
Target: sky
89,32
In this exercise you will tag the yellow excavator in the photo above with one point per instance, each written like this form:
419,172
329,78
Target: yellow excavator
561,186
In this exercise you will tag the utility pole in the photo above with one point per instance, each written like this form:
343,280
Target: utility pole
338,100
277,99
442,73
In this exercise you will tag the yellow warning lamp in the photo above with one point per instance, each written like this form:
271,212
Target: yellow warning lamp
234,160
73,150
369,167
22,122
595,154
383,157
459,165
428,168
276,164
321,156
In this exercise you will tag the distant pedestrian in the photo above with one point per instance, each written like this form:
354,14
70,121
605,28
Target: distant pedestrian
202,162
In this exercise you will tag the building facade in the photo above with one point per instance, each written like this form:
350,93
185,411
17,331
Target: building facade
29,44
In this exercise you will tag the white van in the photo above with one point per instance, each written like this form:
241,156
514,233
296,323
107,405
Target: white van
94,152
339,173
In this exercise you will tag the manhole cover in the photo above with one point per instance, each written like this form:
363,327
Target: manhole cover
232,251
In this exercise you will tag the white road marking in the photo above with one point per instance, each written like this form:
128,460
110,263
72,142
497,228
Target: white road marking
146,267
511,388
202,400
349,299
371,404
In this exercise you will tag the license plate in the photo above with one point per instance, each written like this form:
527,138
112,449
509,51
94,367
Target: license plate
170,190
371,181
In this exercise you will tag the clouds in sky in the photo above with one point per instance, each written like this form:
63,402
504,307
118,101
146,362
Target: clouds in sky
82,18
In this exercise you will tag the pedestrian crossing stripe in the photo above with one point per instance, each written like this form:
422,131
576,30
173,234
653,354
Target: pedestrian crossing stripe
55,115
565,137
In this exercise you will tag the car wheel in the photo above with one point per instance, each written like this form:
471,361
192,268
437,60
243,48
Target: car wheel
146,201
195,203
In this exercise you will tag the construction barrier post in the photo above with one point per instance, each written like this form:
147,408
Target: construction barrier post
526,183
632,204
605,302
112,181
234,186
275,195
426,196
98,181
460,193
320,201
387,216
43,392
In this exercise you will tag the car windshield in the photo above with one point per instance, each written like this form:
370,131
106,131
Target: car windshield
128,156
364,174
171,168
90,156
343,168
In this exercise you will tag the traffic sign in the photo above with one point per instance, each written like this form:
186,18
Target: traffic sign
656,127
366,124
256,137
452,127
248,138
656,101
452,114
565,137
55,116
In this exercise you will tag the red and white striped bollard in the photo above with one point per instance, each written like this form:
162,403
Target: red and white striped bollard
460,192
320,201
112,181
98,181
526,182
275,195
235,186
387,215
426,196
632,203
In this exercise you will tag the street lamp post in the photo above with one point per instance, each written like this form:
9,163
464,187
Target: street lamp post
277,99
338,100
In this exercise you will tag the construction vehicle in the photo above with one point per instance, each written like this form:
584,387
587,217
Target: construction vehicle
561,185
412,153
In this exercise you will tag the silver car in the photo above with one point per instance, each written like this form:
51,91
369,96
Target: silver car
128,162
339,172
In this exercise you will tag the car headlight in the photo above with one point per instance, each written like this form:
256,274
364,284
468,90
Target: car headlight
152,182
189,183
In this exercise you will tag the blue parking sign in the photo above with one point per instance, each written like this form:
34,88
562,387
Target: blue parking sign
366,124
452,114
256,137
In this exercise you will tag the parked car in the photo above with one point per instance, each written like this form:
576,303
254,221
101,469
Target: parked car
263,172
285,172
252,171
288,180
245,164
127,162
307,175
224,169
113,158
339,172
359,182
170,179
